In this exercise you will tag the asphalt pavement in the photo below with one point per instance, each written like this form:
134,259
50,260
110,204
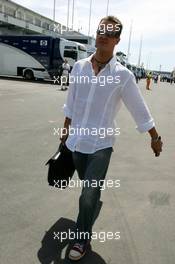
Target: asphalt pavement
142,209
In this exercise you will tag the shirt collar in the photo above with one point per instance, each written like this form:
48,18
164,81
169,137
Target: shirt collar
111,63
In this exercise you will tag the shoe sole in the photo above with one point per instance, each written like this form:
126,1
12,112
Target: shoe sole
77,258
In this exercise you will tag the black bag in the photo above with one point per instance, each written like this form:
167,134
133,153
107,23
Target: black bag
61,167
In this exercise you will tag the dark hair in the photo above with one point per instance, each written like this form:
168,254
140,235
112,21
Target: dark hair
116,21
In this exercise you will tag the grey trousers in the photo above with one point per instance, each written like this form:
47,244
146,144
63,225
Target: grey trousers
90,168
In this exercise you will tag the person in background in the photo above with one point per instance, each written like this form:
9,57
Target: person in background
65,75
135,72
155,78
148,80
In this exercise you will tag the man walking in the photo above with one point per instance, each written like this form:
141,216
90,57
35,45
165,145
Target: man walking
94,104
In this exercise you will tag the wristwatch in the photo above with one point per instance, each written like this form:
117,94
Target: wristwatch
156,139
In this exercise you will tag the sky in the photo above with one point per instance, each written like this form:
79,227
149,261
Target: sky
154,20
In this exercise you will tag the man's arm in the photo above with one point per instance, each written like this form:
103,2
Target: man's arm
68,107
136,105
67,123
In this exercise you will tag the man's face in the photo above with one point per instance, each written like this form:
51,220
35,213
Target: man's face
107,42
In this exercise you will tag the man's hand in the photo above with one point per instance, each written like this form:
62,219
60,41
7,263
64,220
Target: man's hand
156,145
156,142
67,124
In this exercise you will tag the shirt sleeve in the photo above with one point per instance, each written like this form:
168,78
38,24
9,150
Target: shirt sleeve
136,105
68,106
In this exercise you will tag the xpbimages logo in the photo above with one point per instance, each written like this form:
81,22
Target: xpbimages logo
109,27
102,132
101,184
101,236
102,80
61,29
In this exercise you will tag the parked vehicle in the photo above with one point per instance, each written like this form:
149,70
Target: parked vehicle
37,57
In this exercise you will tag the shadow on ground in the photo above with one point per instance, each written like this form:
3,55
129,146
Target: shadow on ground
51,249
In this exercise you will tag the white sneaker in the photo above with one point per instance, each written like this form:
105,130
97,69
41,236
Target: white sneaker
78,250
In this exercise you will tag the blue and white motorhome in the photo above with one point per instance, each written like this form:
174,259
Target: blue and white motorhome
36,57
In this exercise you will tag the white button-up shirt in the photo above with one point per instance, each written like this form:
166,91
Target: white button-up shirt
93,102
